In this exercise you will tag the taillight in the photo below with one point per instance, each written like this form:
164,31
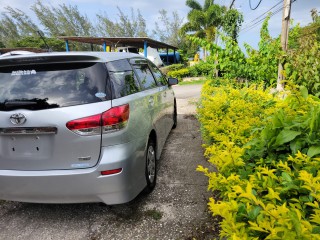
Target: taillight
86,126
114,119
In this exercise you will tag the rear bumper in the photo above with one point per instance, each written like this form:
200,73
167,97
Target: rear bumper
81,185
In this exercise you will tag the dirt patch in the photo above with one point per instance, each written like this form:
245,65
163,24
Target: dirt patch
190,116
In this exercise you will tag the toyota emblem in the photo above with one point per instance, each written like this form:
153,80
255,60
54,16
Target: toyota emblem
18,119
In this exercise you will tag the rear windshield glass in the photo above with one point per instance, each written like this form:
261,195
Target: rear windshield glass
44,86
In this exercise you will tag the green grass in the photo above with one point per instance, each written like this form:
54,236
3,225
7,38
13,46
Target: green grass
154,213
195,82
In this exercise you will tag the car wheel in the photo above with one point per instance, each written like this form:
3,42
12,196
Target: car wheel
175,116
151,166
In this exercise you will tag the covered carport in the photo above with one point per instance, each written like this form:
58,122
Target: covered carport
109,43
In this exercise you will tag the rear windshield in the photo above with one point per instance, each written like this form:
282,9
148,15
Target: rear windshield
44,86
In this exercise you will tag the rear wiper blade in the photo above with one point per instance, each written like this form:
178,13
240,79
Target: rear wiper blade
22,102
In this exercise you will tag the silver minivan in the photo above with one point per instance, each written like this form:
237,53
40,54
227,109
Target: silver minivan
82,126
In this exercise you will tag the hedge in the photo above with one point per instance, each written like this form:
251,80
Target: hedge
266,151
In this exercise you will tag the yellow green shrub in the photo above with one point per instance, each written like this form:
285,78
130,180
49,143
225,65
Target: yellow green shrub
273,203
227,116
179,74
267,152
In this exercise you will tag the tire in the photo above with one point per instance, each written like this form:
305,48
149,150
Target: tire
151,166
175,116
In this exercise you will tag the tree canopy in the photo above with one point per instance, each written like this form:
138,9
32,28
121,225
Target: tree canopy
126,26
63,20
168,29
18,28
205,20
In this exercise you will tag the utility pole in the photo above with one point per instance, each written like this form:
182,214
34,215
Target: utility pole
284,39
217,37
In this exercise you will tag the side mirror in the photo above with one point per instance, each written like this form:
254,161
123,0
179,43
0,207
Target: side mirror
172,81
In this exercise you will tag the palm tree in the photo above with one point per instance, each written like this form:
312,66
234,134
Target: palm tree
204,20
314,14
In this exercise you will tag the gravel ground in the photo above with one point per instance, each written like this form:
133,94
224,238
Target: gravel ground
176,209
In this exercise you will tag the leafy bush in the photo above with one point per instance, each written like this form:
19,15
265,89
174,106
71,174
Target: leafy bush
302,67
301,62
201,69
181,73
37,42
262,64
269,188
173,67
293,128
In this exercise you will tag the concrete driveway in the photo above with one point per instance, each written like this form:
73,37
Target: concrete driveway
177,208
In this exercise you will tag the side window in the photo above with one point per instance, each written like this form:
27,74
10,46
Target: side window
145,76
160,78
122,78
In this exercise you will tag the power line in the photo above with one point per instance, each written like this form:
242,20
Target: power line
266,12
256,6
232,4
248,28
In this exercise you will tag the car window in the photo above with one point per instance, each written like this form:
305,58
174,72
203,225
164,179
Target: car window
122,78
42,86
145,76
160,78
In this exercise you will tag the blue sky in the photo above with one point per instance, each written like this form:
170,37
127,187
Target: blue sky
150,8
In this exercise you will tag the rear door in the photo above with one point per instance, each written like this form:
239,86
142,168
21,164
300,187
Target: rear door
37,100
152,94
167,97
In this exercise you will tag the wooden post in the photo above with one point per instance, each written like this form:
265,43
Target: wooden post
284,39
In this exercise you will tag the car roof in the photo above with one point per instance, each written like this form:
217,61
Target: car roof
67,56
14,53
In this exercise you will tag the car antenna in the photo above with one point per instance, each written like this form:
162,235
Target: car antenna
41,36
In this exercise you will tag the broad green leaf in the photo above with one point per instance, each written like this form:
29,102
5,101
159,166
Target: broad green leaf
254,213
295,146
286,136
313,150
304,92
296,222
286,177
304,199
316,230
242,209
268,133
